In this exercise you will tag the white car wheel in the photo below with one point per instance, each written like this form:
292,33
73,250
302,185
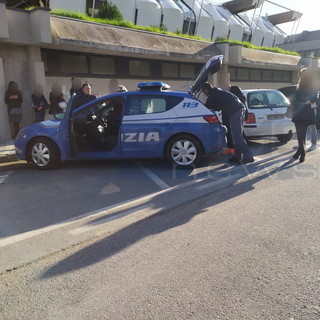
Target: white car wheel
44,154
183,150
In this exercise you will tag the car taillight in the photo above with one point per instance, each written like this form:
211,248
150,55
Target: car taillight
211,119
251,118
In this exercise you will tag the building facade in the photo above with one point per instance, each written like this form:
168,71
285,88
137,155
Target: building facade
37,47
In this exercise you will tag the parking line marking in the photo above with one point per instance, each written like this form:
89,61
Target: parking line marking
4,177
220,181
159,182
103,222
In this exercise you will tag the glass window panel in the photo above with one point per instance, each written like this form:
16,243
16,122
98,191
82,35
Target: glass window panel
266,75
287,76
255,75
71,63
243,74
277,75
169,70
139,68
233,73
102,65
187,71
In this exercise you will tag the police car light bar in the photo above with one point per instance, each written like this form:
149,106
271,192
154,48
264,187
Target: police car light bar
153,86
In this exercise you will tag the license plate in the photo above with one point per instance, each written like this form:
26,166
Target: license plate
275,116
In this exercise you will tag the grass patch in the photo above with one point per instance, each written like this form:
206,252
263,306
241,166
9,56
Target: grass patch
122,23
251,46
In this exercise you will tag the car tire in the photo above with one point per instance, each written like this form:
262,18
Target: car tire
284,138
44,154
184,150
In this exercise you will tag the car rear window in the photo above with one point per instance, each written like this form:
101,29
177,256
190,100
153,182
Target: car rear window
148,104
266,99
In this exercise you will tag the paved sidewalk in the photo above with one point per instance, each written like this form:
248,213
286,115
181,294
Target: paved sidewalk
7,151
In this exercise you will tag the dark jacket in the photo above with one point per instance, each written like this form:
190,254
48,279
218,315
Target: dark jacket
78,92
13,99
39,102
225,101
303,113
54,103
237,92
82,99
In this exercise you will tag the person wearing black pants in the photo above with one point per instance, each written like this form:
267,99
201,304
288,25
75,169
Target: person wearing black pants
226,85
234,110
304,103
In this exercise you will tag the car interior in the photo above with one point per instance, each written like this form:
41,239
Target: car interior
97,126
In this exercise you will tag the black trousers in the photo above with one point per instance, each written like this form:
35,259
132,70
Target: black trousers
301,134
225,121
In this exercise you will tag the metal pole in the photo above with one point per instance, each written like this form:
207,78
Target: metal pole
199,18
190,17
93,8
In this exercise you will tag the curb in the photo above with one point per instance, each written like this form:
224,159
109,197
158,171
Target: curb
7,158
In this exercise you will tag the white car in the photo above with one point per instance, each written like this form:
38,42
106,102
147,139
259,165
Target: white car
267,108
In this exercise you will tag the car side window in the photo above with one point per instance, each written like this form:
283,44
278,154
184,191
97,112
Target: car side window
149,104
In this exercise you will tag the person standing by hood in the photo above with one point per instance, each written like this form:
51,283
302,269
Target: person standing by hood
233,109
13,100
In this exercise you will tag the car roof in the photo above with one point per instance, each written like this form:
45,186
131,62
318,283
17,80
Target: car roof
253,90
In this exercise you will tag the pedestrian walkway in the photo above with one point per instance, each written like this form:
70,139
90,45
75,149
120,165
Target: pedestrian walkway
6,148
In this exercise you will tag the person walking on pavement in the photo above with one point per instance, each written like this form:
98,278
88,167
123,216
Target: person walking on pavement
13,100
304,103
226,85
233,109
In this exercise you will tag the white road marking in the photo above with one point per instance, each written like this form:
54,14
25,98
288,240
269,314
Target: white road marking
159,182
103,222
234,177
92,215
3,177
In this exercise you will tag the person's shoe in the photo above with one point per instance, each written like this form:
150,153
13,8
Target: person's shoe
228,151
235,160
249,160
313,147
302,157
297,154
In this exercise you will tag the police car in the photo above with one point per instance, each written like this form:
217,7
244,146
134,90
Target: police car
152,122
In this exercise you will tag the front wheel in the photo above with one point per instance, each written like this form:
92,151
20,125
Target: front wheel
184,150
44,154
284,138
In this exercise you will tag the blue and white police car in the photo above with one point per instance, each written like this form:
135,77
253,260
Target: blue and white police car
152,122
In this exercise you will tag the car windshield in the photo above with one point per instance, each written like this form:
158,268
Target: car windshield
267,99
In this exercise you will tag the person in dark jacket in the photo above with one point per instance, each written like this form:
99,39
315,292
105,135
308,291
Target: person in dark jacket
75,87
226,85
55,98
85,97
233,109
40,103
304,103
13,100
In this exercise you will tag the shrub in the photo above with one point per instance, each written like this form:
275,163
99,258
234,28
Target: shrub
109,11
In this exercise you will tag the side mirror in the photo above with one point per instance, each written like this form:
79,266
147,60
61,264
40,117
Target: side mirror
59,116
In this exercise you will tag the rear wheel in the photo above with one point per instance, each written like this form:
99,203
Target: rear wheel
284,138
44,154
184,150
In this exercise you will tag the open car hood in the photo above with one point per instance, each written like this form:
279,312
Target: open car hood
212,66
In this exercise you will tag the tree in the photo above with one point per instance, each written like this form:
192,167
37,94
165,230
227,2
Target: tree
109,11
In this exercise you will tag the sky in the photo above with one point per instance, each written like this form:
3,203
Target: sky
310,9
